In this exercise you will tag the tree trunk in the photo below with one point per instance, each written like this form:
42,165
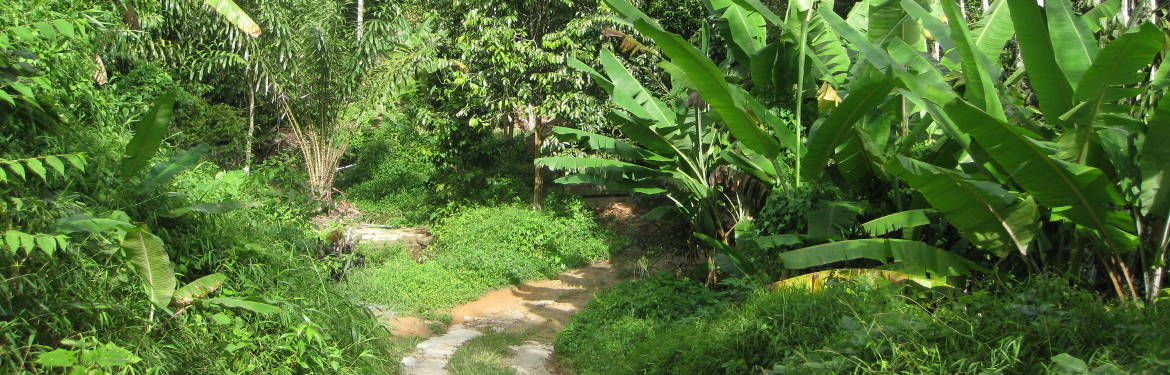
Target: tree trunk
537,144
361,10
251,129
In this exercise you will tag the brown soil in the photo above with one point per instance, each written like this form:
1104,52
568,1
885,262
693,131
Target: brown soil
408,326
544,304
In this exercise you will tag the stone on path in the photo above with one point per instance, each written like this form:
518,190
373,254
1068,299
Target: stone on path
432,355
531,358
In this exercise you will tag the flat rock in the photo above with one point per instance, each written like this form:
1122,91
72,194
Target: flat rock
431,356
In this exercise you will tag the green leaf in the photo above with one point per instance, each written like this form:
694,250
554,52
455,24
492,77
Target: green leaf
876,55
76,160
829,221
148,134
1092,18
199,288
1155,163
994,219
598,79
1053,90
888,21
207,208
64,27
162,173
977,70
597,166
12,239
935,261
1071,40
56,164
629,93
826,136
253,306
1118,64
994,30
232,12
707,79
46,243
1089,196
57,358
615,183
146,253
36,167
90,224
17,168
109,355
897,221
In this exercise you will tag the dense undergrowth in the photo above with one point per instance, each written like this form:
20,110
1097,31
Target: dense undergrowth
478,249
667,326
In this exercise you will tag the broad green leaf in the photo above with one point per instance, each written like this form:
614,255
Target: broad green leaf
46,243
889,21
994,219
815,281
199,288
708,81
1155,163
1082,193
12,239
109,355
207,208
742,262
596,166
64,27
1053,90
253,306
36,167
90,224
994,30
76,160
232,12
747,28
826,136
830,221
977,70
934,261
1119,62
56,164
629,94
162,173
57,358
615,183
897,221
1071,40
146,253
27,242
1092,18
598,79
870,51
148,134
638,130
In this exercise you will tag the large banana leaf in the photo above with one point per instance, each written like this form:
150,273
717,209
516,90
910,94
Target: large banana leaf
146,253
1080,193
596,166
747,27
992,218
816,281
825,49
638,131
707,79
629,94
870,51
613,183
1155,163
836,128
934,261
994,30
162,173
1118,64
199,288
598,79
232,12
148,134
1071,40
897,221
1052,88
889,21
976,68
1093,17
600,142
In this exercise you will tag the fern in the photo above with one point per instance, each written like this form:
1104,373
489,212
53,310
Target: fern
37,166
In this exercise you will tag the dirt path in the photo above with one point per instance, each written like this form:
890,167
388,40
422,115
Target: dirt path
543,307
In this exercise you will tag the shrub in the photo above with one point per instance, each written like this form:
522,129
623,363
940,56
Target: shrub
853,328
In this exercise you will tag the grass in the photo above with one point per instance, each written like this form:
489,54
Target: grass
479,249
662,326
486,355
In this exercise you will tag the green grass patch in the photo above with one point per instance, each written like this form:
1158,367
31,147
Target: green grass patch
479,249
661,326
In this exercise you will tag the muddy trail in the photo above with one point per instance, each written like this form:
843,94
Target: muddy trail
540,308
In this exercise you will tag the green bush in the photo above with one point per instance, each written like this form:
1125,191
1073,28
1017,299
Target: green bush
853,328
481,248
